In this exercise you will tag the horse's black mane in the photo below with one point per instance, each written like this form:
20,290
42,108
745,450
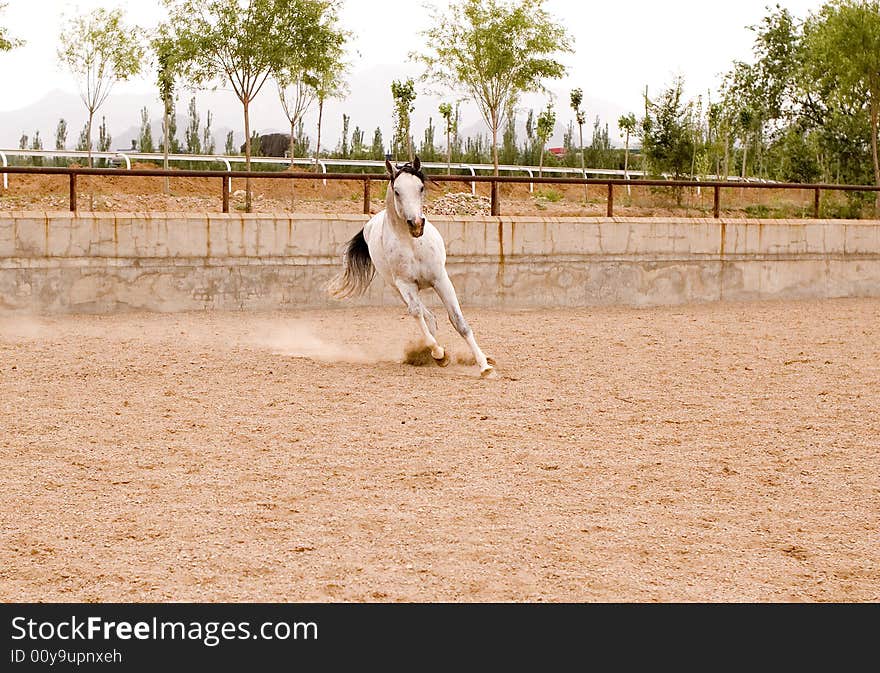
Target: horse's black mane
408,168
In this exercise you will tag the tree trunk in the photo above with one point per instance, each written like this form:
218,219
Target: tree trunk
541,162
292,141
318,144
91,162
875,113
448,152
495,142
247,155
759,149
583,159
292,186
165,132
626,164
644,138
726,156
89,137
745,155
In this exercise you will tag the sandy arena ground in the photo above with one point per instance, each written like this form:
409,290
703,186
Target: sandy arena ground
723,452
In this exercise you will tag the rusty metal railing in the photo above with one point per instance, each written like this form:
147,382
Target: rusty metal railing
224,177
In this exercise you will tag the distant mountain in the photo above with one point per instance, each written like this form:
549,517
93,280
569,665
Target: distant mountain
45,113
369,105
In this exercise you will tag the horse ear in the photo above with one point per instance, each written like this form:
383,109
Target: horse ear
417,163
390,169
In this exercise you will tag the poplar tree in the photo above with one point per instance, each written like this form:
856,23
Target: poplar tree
239,43
494,52
100,50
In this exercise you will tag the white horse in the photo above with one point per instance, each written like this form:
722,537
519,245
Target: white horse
410,255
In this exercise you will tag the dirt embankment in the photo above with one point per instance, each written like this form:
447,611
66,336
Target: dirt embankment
128,193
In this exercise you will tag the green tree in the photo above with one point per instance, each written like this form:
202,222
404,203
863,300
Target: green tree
627,124
303,142
599,151
255,144
173,140
84,143
758,99
37,144
456,135
742,98
104,139
509,150
208,144
191,135
61,135
667,140
145,135
296,91
237,42
697,127
61,141
449,127
494,52
546,123
167,72
427,150
404,95
330,83
230,145
100,50
377,148
577,97
843,56
344,151
358,149
528,158
300,77
798,148
6,42
717,137
568,145
779,55
476,150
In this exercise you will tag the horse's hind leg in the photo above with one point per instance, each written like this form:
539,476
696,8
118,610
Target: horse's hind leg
425,319
446,292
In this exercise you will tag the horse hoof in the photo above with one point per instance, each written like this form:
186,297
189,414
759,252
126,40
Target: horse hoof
491,361
488,372
444,361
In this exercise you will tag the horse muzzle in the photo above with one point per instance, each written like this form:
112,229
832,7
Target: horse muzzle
416,227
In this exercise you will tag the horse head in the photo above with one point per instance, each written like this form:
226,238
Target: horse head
408,185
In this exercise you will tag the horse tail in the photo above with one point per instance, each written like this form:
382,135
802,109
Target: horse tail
357,270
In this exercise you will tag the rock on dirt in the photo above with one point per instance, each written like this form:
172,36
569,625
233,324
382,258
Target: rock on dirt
460,203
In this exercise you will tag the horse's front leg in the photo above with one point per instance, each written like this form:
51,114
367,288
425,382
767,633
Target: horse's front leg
445,290
409,292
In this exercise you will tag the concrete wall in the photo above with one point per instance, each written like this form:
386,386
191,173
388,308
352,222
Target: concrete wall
97,262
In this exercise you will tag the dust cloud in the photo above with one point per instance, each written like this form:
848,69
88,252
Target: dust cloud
300,340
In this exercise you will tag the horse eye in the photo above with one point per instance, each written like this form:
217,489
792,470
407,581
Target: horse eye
396,193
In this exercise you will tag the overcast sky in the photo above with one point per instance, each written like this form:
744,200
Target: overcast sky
619,46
